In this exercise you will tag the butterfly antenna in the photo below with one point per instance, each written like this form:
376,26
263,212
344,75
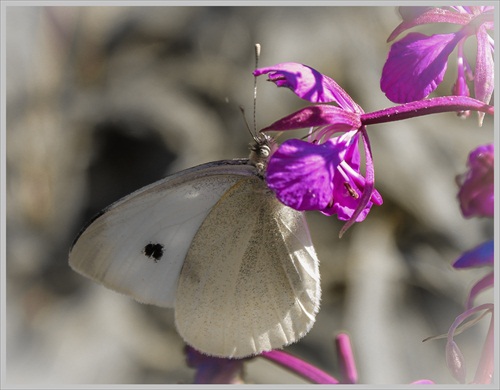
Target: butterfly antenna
252,134
257,55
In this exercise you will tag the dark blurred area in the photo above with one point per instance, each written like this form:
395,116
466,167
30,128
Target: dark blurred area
103,100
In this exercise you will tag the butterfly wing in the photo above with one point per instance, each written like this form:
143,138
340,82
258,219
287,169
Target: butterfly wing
250,281
137,246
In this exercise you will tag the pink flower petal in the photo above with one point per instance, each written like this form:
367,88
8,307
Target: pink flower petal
309,84
319,115
416,65
301,174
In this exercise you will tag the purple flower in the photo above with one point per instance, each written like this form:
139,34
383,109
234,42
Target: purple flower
324,172
476,194
322,177
416,64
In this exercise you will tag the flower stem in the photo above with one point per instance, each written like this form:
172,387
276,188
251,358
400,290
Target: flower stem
426,107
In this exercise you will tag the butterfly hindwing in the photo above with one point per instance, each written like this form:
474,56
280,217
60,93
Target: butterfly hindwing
250,281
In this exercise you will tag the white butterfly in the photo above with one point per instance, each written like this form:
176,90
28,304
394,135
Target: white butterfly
214,243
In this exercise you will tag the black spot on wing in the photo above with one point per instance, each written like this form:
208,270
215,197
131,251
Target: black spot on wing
153,251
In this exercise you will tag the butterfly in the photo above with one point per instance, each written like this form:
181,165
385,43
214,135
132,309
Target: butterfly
213,242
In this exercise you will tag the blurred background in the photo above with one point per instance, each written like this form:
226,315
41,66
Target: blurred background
103,100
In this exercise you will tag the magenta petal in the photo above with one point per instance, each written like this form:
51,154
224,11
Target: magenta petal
376,198
480,256
301,174
320,115
416,65
309,84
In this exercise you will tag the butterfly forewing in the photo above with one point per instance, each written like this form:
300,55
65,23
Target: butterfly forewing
250,281
137,246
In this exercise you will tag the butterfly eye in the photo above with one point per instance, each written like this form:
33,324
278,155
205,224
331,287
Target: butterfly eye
264,151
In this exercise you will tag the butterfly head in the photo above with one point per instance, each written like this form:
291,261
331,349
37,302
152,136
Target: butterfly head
260,151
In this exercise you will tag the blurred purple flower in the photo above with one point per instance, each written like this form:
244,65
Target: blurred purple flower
476,194
480,256
416,64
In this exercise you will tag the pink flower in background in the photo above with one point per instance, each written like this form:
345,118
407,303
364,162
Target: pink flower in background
476,194
416,64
